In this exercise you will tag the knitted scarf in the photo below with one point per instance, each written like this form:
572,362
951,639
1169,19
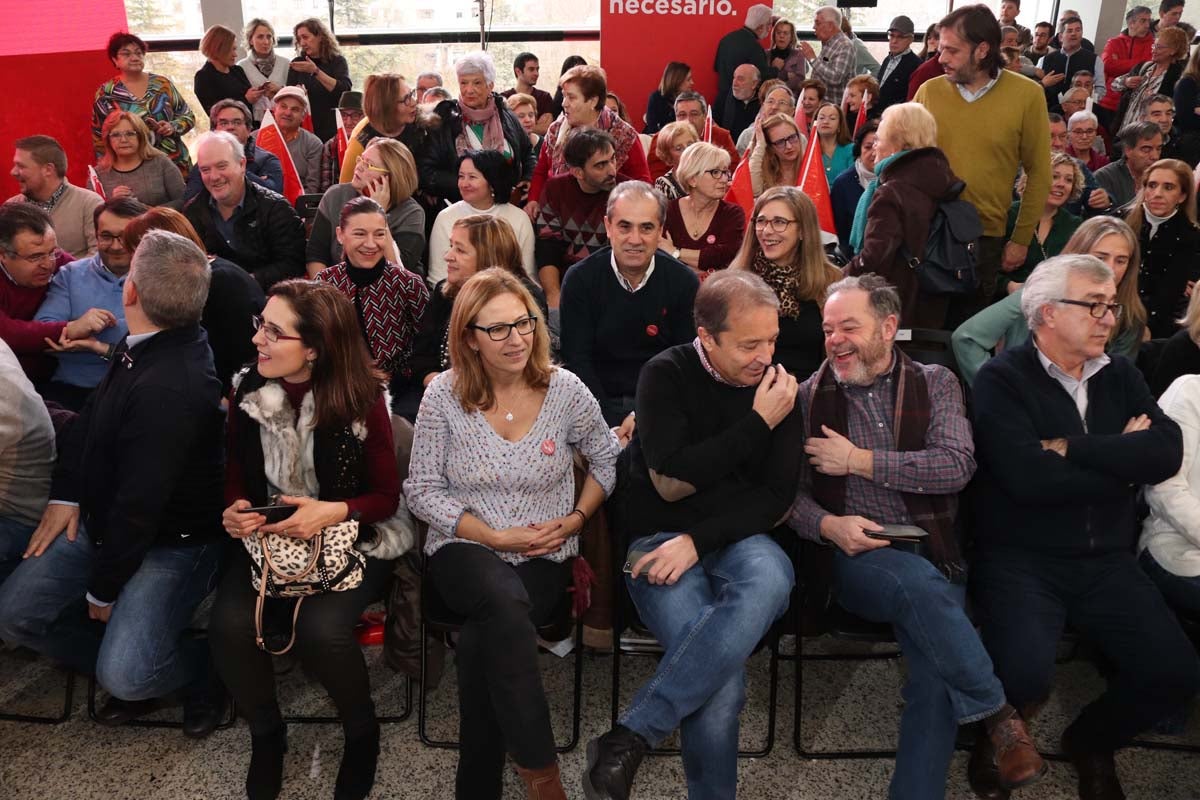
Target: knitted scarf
783,281
859,229
621,131
910,422
493,131
264,65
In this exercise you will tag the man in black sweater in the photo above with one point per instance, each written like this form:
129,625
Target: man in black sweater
741,47
1064,436
711,472
624,304
138,490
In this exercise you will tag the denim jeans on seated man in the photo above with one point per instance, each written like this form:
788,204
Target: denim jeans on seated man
14,538
950,679
709,622
142,653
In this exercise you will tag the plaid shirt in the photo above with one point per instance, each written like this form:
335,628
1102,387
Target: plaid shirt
835,66
943,467
331,166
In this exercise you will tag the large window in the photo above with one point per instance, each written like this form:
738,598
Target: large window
164,17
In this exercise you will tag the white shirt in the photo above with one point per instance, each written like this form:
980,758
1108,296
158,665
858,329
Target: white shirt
439,236
625,284
1076,388
970,96
1156,220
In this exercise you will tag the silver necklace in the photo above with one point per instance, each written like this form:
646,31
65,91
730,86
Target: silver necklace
508,415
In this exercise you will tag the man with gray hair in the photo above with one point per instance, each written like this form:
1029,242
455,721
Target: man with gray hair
741,107
835,67
625,303
692,107
1064,435
1141,145
428,80
741,47
710,475
889,449
138,490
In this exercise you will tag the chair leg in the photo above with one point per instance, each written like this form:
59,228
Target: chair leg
68,702
422,701
798,701
577,694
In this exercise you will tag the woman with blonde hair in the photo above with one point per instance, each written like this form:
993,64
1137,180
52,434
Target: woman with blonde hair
499,548
1055,225
390,112
1168,56
894,213
1002,324
265,70
1163,215
783,247
776,154
221,78
322,70
387,173
785,59
860,88
660,108
670,143
702,230
132,167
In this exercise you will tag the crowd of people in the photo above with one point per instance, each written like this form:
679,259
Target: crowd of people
566,315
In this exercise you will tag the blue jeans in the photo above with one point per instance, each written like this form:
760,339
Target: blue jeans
14,538
1180,590
141,653
950,678
709,621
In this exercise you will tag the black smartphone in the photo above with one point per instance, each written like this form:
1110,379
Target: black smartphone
899,533
274,513
634,557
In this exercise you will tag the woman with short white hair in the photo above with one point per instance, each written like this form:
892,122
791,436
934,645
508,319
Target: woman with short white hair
1082,130
702,230
478,120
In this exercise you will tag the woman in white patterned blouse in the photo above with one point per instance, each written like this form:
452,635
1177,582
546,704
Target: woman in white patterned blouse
492,474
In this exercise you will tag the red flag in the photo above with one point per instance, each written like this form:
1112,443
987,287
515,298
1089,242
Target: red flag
861,119
94,182
306,123
813,183
270,138
801,120
741,191
708,123
341,138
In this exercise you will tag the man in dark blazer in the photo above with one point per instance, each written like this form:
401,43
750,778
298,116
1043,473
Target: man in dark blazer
138,490
898,67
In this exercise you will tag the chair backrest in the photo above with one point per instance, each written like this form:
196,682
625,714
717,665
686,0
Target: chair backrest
928,346
306,206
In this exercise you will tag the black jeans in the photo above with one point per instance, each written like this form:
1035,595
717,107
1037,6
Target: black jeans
501,703
325,645
1024,600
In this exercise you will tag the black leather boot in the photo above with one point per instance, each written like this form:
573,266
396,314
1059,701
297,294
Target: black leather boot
612,761
265,777
356,775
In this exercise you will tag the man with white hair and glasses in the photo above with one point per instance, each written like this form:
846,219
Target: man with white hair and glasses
1064,435
835,66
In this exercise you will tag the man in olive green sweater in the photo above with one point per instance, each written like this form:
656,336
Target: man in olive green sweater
991,123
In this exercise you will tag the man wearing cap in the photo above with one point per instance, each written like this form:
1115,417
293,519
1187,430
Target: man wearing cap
291,106
350,106
899,65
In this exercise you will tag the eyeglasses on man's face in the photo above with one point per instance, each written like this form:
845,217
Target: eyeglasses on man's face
272,333
501,331
1097,308
32,258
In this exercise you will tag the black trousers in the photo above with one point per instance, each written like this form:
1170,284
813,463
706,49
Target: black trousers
325,645
1023,602
502,704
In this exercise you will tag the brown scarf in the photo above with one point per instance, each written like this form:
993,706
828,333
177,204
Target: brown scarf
783,281
493,131
622,132
910,421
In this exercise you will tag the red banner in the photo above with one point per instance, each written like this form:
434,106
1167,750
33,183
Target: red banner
270,138
639,37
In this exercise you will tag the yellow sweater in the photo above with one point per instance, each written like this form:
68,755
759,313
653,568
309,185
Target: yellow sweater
989,140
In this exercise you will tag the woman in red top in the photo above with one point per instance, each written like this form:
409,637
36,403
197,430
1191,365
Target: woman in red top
309,424
702,230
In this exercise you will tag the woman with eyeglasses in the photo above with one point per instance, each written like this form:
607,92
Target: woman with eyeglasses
1003,325
485,182
389,299
131,167
152,97
492,472
387,173
670,143
1082,131
1156,76
390,106
776,153
308,427
702,230
1163,215
891,222
783,247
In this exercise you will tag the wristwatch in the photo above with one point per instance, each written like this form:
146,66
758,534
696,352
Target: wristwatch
675,253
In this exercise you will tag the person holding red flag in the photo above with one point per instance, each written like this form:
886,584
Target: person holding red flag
281,134
896,209
814,172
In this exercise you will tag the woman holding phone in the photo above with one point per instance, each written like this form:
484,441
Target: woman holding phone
308,427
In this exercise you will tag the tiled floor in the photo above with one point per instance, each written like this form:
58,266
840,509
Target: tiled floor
846,705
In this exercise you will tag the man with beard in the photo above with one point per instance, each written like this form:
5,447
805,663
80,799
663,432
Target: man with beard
623,306
991,122
570,221
889,449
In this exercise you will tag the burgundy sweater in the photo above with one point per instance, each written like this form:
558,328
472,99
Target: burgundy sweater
18,304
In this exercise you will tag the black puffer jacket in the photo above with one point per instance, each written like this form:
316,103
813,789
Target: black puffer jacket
270,236
1168,263
438,164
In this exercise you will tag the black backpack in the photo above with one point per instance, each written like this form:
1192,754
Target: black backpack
948,264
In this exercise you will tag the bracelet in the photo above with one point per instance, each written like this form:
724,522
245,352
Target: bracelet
582,516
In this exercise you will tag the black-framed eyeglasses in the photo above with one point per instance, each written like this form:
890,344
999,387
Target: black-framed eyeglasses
776,224
109,239
782,144
272,333
716,174
501,331
1098,308
410,99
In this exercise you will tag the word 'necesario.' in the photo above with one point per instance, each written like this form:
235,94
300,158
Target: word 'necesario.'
722,8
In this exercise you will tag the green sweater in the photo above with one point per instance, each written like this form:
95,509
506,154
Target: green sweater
1061,230
989,140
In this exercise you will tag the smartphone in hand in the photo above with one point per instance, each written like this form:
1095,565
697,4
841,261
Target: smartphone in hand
634,557
274,513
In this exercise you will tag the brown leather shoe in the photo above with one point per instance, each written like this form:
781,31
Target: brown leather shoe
543,784
981,770
1017,760
1097,771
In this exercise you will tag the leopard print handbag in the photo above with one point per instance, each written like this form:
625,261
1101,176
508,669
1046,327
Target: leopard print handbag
283,566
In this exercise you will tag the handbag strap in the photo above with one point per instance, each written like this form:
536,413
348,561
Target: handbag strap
268,570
